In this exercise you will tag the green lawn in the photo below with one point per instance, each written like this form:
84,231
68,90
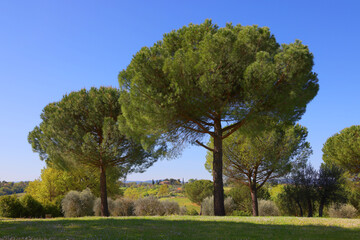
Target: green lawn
181,227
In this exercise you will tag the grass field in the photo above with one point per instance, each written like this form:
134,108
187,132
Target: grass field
183,201
181,227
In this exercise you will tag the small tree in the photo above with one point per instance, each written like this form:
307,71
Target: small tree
198,190
302,189
343,149
330,186
82,130
255,159
163,190
202,80
242,197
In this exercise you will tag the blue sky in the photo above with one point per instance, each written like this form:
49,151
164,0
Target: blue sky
49,48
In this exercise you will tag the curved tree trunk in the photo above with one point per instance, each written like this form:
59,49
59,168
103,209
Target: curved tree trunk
301,211
103,193
255,207
219,209
310,209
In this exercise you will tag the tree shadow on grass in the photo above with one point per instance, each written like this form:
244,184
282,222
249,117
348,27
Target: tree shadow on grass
157,228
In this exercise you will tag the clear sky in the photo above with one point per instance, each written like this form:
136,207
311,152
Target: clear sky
49,48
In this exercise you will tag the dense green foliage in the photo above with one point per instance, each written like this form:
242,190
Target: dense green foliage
32,208
27,206
82,130
330,186
10,206
242,198
204,80
344,149
198,190
8,188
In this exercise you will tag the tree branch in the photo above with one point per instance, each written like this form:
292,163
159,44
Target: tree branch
267,177
203,145
233,128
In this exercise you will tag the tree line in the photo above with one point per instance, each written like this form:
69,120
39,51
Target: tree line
8,188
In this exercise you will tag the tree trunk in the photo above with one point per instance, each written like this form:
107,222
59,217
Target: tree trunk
321,207
219,209
301,211
255,207
310,209
103,193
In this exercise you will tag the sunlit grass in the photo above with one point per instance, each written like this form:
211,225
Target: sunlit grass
181,227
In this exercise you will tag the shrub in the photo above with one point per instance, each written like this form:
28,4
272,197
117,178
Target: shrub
76,204
230,205
183,210
342,211
268,208
149,206
10,206
192,212
53,209
97,206
32,208
87,202
122,207
207,206
171,207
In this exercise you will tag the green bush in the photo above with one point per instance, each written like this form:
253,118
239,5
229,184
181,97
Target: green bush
342,211
10,206
207,206
76,204
87,202
183,210
171,207
192,212
97,206
53,209
263,193
32,208
149,206
268,208
122,207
